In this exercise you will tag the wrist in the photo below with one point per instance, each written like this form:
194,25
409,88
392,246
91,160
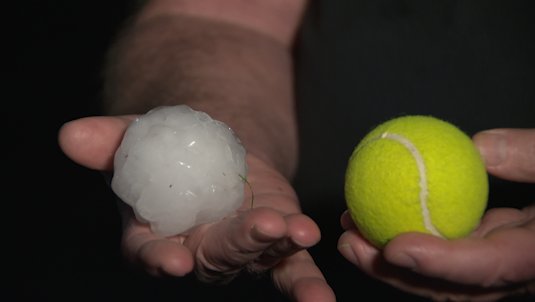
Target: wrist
237,76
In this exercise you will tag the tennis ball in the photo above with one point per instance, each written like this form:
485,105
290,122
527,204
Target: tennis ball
416,173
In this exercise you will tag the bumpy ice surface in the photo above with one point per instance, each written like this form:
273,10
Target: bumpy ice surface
178,169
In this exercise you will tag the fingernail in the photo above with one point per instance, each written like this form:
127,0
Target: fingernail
262,236
348,253
493,148
405,260
299,244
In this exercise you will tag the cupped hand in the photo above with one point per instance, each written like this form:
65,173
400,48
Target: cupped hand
496,260
273,235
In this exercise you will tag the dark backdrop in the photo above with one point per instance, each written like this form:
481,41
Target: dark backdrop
360,63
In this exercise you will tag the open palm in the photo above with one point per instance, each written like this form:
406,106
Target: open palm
273,235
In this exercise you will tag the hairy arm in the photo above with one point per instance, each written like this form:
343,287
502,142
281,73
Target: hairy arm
231,60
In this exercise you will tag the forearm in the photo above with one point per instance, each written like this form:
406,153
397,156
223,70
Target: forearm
237,75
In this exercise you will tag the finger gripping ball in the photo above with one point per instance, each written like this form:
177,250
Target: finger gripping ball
416,173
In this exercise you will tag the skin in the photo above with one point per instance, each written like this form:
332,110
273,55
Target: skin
233,61
495,261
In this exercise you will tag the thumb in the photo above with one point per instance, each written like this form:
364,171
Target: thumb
508,153
92,141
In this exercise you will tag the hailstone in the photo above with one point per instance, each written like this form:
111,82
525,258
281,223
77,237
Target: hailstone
178,168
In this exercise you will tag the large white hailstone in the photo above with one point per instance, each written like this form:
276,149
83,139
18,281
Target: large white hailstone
178,168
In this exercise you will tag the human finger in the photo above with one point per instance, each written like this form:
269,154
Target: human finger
299,277
500,258
92,141
302,233
354,247
147,252
497,218
223,249
346,221
508,153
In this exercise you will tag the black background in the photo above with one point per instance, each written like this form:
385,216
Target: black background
62,232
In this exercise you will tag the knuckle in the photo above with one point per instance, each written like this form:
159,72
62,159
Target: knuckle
215,279
212,273
528,160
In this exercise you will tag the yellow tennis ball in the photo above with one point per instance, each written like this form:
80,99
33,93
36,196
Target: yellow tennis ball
416,173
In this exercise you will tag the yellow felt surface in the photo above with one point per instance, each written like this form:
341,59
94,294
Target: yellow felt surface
382,181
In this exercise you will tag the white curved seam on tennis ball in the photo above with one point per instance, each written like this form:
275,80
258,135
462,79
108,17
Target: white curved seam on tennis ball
423,177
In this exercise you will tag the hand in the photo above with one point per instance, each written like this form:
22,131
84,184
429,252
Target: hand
272,235
496,260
